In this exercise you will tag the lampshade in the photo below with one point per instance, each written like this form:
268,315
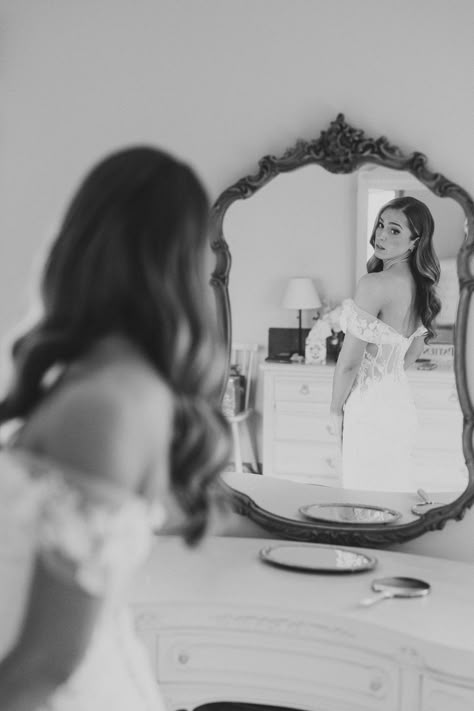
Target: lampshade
301,294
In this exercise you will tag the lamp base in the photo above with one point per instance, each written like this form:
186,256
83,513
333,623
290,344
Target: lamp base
300,336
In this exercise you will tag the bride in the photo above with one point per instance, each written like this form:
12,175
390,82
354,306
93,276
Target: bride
386,326
116,394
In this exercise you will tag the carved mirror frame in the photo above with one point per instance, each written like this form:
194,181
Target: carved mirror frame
343,149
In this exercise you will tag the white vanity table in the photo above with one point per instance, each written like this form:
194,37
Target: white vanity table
219,625
297,444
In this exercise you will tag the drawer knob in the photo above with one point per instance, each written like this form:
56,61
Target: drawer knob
376,684
330,462
304,389
183,658
453,397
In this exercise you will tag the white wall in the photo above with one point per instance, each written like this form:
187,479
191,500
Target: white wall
300,224
220,83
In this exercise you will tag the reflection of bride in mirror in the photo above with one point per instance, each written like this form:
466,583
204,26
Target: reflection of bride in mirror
386,326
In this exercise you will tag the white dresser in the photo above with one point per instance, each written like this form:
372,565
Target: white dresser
297,443
220,625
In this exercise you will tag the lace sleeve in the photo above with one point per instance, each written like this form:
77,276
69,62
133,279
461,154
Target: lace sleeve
94,533
359,323
420,331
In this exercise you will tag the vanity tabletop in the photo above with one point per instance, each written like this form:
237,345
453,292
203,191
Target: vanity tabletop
225,575
282,497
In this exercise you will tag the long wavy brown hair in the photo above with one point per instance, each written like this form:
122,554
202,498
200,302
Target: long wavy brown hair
424,262
129,258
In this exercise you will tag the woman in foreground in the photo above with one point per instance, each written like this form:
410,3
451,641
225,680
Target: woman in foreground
386,326
116,392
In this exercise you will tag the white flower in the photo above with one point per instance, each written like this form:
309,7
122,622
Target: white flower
333,318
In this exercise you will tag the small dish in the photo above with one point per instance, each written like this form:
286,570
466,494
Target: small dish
316,558
357,514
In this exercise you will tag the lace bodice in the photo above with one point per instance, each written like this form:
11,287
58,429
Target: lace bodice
386,348
92,534
380,420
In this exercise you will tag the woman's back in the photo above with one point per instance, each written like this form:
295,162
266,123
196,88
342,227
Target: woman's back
110,405
399,307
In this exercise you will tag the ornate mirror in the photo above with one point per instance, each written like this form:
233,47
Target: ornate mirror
312,210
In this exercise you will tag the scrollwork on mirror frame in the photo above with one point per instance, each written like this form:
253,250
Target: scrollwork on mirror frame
342,149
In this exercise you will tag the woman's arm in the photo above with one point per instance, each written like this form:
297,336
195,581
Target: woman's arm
414,351
369,297
56,632
347,367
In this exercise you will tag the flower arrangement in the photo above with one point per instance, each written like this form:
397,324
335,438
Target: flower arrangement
325,338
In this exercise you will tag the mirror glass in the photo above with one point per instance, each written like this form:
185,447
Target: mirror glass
317,559
313,223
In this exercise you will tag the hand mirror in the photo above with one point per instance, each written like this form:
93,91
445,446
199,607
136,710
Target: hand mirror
396,587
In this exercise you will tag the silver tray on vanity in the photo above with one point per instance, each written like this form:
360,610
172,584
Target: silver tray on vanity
358,514
314,558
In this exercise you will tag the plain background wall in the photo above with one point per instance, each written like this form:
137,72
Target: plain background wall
220,83
302,224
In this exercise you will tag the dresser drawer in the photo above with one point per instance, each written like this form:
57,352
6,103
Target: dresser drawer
344,677
303,390
306,422
438,430
306,458
438,470
439,694
437,396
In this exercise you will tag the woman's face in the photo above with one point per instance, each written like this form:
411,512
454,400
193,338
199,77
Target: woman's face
393,237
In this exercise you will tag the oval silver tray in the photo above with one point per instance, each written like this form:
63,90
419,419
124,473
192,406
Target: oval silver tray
356,514
316,558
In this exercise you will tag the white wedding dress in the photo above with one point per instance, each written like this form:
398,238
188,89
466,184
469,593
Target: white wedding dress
94,536
380,420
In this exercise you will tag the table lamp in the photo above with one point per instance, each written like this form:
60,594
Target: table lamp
301,294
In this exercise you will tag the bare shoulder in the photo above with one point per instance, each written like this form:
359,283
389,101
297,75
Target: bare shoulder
135,388
122,392
370,292
110,424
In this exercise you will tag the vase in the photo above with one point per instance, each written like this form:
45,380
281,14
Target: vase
316,346
234,397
